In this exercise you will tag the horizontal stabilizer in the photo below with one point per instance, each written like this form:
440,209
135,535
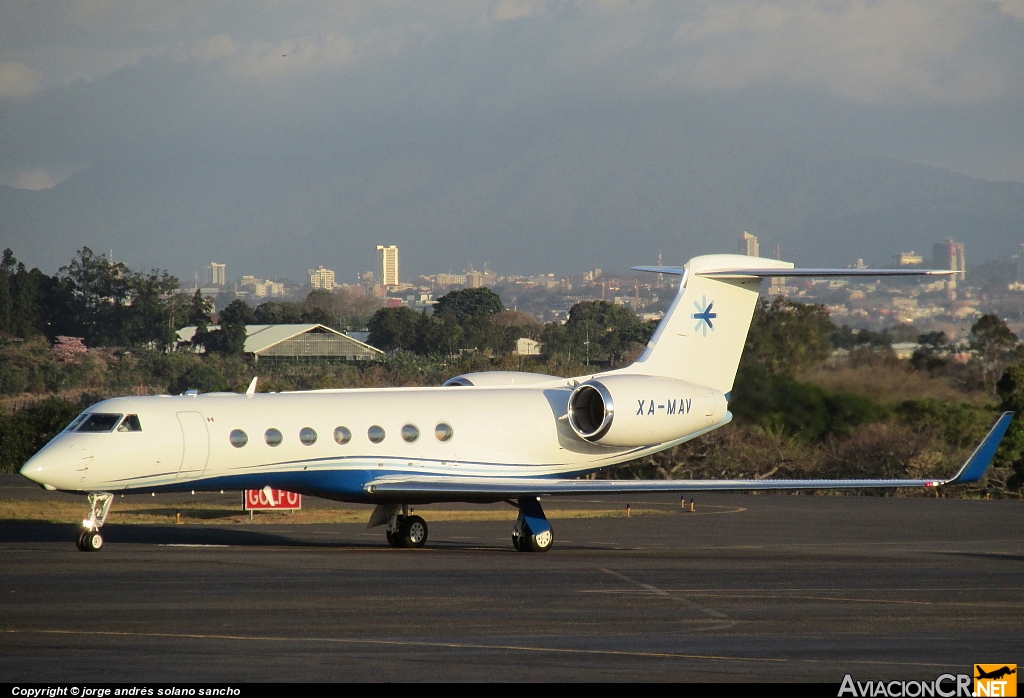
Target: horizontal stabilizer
870,273
741,272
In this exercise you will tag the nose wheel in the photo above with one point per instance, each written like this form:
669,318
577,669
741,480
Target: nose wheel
89,539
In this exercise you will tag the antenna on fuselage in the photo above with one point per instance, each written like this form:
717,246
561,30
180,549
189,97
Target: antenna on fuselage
251,390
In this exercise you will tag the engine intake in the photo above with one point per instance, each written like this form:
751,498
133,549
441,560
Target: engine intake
591,410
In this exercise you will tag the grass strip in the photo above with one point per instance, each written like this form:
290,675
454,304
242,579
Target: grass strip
209,513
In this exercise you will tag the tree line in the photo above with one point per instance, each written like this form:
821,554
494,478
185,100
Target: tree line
476,319
104,302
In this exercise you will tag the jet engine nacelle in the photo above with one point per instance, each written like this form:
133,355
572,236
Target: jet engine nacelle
629,410
491,379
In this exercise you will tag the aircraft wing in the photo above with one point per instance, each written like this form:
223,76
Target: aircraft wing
501,488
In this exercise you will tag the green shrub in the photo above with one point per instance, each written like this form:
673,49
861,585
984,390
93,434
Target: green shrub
780,404
28,430
202,377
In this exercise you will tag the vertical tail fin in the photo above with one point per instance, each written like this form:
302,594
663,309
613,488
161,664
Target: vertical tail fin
701,338
702,335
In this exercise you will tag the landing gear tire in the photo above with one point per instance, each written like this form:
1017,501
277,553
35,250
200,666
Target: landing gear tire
524,540
393,540
412,532
81,537
517,542
89,541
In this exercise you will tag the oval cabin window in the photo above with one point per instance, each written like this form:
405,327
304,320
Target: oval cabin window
375,434
342,435
307,436
443,431
273,437
238,438
410,433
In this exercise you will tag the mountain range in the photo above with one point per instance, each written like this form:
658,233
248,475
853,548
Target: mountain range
562,206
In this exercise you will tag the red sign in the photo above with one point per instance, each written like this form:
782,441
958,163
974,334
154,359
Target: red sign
268,498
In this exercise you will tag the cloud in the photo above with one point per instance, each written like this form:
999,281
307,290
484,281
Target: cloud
17,80
506,10
1012,7
35,179
293,56
861,50
867,52
209,50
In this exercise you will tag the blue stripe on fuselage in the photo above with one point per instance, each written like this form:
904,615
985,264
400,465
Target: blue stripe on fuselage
340,485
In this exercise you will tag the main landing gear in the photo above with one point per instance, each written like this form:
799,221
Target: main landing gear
532,532
89,539
403,529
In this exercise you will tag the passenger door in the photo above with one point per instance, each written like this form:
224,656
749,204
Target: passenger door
195,442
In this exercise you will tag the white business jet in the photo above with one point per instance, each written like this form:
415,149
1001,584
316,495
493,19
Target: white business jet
481,437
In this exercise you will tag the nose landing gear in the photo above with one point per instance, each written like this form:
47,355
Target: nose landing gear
89,539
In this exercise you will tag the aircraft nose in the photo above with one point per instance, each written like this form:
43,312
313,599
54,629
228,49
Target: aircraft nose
34,471
52,466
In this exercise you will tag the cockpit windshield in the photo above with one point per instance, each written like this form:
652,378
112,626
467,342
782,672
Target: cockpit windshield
77,420
131,423
99,421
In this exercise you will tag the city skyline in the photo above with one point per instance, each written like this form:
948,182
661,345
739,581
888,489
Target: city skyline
947,254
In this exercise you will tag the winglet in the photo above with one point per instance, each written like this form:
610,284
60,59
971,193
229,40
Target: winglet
978,463
251,390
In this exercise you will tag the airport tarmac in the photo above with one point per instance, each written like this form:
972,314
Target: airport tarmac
745,588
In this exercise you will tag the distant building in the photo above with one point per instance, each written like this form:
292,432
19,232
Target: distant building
527,347
217,274
271,289
449,279
748,245
950,255
321,277
299,342
474,279
357,291
905,350
909,259
387,265
260,288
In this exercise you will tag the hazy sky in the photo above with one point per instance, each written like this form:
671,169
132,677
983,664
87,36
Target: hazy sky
295,86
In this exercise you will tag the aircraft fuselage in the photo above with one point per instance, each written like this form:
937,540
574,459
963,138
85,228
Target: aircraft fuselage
330,443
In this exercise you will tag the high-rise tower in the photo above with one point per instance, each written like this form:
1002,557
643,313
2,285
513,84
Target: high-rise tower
217,274
950,255
321,277
387,265
748,245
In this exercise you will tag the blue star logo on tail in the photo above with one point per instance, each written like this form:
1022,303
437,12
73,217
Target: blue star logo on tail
704,316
